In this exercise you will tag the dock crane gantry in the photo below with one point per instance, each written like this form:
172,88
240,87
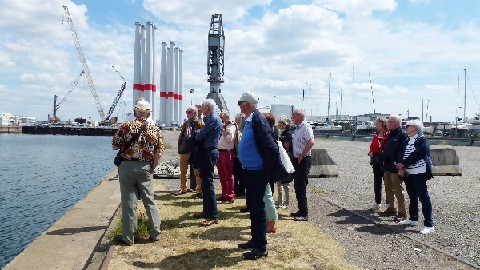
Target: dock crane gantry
84,63
119,95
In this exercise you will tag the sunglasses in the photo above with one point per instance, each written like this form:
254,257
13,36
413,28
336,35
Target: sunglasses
189,111
240,103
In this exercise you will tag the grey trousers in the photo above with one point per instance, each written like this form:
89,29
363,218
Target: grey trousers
135,179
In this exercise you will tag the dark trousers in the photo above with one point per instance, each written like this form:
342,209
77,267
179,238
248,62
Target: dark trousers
193,181
377,183
209,160
300,178
416,186
256,184
239,183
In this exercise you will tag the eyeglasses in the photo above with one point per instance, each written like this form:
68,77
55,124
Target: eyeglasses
240,103
296,114
189,111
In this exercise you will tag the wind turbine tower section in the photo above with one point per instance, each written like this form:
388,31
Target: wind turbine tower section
215,61
143,64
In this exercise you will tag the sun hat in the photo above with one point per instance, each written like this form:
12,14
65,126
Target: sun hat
142,106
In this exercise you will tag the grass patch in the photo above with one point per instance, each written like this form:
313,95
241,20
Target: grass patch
319,191
142,227
186,245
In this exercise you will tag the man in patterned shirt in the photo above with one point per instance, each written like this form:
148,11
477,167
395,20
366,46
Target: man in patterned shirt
302,141
136,171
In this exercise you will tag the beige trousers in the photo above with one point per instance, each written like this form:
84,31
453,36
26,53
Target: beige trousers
393,186
184,173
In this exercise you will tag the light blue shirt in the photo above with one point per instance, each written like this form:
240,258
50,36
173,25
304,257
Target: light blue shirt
247,150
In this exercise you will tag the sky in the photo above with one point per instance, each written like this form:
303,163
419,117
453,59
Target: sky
370,55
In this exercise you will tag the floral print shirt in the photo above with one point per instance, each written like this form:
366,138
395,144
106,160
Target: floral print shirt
301,135
144,148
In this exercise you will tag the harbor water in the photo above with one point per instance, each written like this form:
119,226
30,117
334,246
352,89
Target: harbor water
42,177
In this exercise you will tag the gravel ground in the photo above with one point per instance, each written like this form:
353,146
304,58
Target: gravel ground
339,206
336,203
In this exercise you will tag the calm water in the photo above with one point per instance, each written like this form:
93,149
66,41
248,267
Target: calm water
42,177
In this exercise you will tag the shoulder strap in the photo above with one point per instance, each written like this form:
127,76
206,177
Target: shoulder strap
135,137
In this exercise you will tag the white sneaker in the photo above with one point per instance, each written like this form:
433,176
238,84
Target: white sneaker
375,207
283,206
408,222
427,230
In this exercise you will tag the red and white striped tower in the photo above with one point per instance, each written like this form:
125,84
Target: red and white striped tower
163,85
137,63
143,77
175,100
170,84
150,87
180,86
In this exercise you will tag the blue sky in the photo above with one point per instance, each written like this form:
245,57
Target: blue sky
409,50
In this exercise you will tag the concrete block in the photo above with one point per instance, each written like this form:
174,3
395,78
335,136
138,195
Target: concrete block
322,164
445,162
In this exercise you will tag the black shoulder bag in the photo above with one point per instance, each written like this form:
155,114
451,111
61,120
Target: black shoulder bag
118,158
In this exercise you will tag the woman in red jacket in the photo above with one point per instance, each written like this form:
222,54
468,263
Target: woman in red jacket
376,160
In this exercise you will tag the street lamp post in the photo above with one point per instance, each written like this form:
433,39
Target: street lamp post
191,93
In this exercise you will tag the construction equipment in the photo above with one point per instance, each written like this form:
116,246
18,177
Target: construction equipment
119,95
84,63
215,61
57,105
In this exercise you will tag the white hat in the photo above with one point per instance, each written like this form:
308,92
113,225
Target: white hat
249,97
409,123
142,106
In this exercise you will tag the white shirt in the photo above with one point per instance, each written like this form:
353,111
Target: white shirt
301,135
227,142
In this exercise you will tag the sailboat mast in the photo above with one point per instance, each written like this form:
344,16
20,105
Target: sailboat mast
329,79
465,97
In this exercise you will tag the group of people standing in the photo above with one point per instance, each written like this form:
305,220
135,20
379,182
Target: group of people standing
398,157
245,152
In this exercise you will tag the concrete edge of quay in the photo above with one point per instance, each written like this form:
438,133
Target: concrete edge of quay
75,241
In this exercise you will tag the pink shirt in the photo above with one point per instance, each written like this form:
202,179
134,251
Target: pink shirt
227,142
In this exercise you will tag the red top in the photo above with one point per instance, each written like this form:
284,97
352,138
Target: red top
378,141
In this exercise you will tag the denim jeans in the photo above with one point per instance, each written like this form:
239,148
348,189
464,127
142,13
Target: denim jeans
300,178
416,186
209,160
256,184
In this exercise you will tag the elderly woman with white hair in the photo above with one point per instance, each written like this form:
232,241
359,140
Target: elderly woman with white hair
416,170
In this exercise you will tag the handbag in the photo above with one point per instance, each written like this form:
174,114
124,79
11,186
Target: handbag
287,163
118,158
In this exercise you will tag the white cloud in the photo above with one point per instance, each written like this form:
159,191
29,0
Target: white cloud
355,8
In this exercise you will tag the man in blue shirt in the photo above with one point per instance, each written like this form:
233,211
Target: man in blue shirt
207,137
260,158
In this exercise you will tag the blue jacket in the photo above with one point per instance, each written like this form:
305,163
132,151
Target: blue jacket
209,134
422,151
392,150
268,148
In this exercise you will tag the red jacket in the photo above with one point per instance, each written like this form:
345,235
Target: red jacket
377,142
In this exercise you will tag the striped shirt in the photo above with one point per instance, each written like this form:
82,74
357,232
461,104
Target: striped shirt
420,166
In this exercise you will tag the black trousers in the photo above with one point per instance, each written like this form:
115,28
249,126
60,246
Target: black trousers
300,182
239,182
377,183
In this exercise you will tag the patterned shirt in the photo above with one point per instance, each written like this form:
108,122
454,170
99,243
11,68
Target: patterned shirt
145,146
420,166
301,135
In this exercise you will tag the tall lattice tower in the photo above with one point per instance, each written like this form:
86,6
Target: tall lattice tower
215,60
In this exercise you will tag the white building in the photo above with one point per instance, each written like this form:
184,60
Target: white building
7,119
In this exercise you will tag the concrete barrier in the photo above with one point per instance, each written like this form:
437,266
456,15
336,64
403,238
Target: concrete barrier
445,162
322,164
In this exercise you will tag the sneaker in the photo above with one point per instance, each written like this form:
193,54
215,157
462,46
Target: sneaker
408,222
283,206
427,230
301,218
375,207
295,214
400,217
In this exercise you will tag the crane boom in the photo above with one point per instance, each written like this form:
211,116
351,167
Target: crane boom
84,63
119,95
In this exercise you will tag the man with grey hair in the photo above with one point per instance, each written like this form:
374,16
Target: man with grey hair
302,143
392,151
185,147
258,152
207,138
140,156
